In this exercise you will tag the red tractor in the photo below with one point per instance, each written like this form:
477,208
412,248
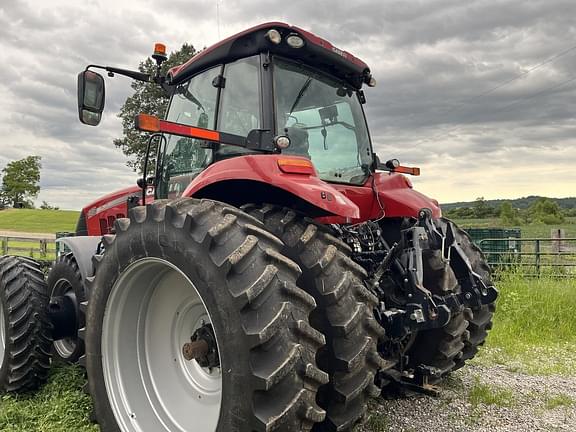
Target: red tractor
271,274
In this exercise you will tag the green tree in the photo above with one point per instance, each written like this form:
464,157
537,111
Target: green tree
544,210
508,214
482,209
148,98
21,181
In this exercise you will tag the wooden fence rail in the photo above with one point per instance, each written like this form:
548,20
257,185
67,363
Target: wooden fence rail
34,247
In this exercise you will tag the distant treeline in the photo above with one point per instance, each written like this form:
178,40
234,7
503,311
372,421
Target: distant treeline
519,203
532,209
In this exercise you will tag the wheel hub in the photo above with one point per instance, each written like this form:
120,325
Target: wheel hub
151,312
203,348
63,312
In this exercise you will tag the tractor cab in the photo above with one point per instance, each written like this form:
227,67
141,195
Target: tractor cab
272,89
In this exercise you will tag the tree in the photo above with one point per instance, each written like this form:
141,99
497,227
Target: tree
544,210
508,214
482,209
20,181
148,98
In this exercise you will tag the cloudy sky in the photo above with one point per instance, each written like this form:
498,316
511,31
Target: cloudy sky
479,94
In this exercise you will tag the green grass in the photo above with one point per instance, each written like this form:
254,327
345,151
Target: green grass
534,327
559,400
38,221
60,406
482,393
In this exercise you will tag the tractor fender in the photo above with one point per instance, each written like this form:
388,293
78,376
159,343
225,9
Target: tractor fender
261,174
83,249
400,199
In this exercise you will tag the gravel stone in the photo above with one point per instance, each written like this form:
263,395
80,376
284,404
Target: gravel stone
452,411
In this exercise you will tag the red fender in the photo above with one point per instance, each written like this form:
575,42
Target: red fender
395,193
265,169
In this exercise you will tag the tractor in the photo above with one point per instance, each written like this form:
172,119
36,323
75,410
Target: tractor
268,272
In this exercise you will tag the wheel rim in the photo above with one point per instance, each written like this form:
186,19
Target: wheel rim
152,311
67,346
2,336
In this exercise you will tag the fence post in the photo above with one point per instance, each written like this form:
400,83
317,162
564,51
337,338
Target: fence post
43,248
4,246
537,253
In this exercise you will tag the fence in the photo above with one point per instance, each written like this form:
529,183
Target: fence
534,256
42,249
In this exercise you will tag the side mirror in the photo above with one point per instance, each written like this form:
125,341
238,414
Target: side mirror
91,94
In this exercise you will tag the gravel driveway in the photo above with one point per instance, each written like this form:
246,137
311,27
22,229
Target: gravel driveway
529,403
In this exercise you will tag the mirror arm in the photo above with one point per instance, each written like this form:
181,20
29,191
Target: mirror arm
139,76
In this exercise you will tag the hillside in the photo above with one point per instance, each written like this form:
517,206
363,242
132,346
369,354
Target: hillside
38,221
521,203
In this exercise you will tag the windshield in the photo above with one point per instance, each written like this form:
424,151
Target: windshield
325,122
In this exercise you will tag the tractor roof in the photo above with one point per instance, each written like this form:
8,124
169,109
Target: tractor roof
316,52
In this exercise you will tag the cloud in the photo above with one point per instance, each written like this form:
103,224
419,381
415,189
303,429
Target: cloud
437,64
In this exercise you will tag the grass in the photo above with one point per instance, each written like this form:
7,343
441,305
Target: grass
558,401
534,327
60,406
38,221
482,393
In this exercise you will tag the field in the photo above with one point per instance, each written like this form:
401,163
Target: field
38,221
528,361
528,230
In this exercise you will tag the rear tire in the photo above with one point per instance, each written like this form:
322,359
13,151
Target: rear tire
344,314
480,319
182,251
25,330
65,279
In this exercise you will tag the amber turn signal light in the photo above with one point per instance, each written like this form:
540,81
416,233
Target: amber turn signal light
296,166
407,170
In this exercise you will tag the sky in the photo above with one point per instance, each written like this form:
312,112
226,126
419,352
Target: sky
479,94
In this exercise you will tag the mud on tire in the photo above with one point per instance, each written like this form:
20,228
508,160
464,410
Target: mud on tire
344,314
260,318
25,330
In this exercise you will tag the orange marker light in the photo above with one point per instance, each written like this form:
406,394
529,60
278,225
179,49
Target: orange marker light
147,123
415,171
296,166
159,49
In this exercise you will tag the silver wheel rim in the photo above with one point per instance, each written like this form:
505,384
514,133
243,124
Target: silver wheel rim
65,347
152,311
2,336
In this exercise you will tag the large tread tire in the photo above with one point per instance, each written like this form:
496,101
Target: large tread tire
267,348
344,314
480,318
25,354
65,275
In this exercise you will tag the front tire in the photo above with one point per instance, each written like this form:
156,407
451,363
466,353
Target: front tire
65,280
171,267
25,330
